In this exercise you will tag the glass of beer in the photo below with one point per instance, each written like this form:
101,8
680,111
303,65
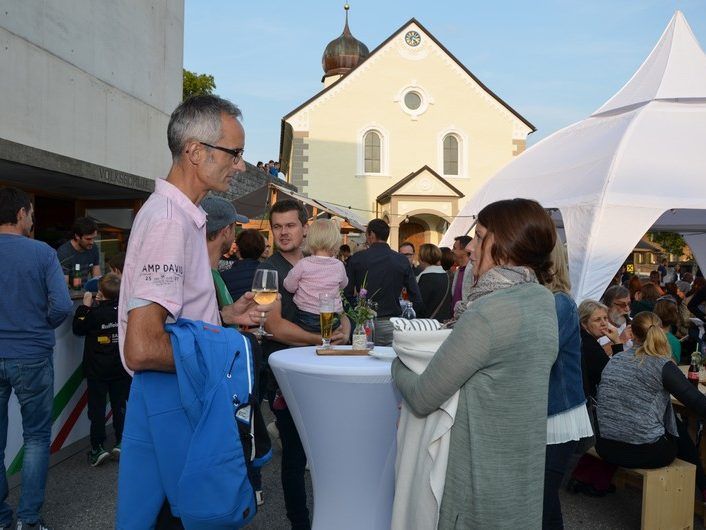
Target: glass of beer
327,311
265,286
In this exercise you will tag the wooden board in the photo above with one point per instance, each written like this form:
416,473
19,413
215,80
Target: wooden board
335,351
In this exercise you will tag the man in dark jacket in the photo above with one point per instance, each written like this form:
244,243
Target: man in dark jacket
385,272
101,364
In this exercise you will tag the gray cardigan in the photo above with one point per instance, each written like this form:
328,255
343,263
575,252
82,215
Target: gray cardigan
633,405
499,356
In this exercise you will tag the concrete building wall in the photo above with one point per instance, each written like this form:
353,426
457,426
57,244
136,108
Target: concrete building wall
94,81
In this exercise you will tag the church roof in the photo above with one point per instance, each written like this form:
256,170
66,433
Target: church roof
389,192
382,45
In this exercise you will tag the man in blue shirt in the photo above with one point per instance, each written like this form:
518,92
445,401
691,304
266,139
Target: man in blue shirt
34,301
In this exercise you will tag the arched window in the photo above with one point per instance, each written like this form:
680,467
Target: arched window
450,155
372,143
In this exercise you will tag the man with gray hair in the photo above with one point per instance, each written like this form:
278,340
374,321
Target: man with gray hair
167,276
617,299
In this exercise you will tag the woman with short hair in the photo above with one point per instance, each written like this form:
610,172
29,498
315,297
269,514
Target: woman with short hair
498,358
434,285
595,324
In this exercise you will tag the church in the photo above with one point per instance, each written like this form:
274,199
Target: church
405,133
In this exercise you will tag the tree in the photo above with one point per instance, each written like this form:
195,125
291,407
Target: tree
197,84
670,241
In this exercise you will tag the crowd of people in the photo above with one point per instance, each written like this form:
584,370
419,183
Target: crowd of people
538,379
271,168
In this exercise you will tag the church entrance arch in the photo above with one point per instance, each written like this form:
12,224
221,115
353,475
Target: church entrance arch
413,232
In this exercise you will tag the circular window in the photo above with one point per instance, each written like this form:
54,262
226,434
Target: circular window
412,100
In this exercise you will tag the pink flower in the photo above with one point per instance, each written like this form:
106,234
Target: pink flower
363,293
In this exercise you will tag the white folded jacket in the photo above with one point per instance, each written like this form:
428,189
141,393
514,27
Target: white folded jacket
422,442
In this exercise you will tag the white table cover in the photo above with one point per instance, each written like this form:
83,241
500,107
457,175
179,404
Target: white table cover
345,409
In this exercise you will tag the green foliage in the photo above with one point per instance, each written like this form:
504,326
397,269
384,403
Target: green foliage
197,84
670,241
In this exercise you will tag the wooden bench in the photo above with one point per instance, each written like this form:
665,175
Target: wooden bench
667,493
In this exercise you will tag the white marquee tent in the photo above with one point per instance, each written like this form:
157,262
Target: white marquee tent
637,162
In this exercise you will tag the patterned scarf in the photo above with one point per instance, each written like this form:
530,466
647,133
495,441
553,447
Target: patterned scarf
500,277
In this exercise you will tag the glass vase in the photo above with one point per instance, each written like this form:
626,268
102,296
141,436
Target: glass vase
360,339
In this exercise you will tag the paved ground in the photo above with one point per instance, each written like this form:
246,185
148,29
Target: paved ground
80,497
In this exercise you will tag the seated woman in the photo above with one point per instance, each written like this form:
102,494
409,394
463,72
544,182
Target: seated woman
634,286
595,325
645,299
681,327
591,475
667,311
434,285
495,471
637,425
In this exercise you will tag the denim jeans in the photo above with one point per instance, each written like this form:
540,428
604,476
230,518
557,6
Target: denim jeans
33,383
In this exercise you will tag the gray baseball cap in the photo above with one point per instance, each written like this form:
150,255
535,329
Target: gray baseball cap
220,213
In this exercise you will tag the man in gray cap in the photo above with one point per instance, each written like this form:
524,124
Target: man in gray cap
220,234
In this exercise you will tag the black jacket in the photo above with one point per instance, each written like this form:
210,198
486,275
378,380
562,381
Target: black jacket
385,272
101,354
593,360
436,292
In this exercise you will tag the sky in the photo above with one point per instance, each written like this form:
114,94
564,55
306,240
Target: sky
553,61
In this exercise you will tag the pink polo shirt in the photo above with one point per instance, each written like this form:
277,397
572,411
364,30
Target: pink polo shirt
167,260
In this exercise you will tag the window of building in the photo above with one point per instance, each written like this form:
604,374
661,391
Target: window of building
372,143
450,155
412,100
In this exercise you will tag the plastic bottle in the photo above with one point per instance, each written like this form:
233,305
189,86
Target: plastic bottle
408,311
76,282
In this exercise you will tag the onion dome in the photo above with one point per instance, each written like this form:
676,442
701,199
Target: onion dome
344,53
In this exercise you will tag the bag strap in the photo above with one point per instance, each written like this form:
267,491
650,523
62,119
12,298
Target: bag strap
443,299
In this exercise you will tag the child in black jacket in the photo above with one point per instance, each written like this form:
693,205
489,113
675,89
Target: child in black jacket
101,364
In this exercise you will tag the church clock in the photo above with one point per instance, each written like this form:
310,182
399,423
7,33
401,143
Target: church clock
412,38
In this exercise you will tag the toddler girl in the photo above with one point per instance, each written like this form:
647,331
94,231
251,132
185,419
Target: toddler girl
320,273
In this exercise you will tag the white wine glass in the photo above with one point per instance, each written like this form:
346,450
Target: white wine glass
327,312
265,286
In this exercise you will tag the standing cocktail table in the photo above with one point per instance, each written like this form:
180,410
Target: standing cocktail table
345,409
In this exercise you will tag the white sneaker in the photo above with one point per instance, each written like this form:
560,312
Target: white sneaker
259,499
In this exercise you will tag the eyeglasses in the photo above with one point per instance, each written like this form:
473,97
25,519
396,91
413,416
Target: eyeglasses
237,154
405,254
